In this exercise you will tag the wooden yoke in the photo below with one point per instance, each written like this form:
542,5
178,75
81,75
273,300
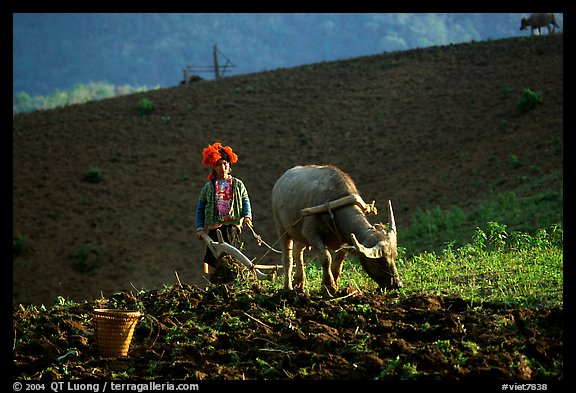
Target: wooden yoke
354,199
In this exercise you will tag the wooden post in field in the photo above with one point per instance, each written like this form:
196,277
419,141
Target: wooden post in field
216,68
186,76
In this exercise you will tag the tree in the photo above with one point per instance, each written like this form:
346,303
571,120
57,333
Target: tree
22,103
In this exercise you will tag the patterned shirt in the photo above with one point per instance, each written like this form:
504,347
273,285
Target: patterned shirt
223,190
223,203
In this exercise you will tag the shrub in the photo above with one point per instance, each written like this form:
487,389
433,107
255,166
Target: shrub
506,90
528,101
514,161
146,106
18,246
86,259
93,175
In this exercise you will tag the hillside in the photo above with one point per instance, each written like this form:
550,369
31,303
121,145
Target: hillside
151,49
426,127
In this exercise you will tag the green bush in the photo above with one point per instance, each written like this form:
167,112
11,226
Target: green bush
93,175
146,106
514,161
505,90
528,101
18,246
87,258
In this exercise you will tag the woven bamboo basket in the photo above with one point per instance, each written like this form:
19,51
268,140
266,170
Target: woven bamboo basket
114,330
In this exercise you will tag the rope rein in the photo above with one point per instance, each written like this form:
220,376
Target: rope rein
260,241
271,248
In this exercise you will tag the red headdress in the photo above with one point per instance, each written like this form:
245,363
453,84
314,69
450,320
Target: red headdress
214,152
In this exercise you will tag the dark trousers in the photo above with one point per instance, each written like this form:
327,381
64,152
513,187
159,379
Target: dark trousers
231,235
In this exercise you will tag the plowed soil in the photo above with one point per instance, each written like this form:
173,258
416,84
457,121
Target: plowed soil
424,128
257,334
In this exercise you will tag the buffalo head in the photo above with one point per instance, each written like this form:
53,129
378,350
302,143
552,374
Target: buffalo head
380,252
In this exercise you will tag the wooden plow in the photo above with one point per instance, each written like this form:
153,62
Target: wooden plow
221,247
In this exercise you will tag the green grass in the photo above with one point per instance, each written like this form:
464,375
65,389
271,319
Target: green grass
496,266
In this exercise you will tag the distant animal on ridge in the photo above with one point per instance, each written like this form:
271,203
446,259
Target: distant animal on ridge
537,21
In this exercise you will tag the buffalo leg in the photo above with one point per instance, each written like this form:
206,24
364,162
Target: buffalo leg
300,276
339,257
325,259
287,261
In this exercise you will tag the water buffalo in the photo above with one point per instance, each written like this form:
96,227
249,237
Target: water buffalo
343,230
537,21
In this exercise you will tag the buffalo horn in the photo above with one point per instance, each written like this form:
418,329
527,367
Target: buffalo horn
391,216
373,252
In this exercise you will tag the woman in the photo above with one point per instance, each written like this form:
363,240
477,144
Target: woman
223,202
